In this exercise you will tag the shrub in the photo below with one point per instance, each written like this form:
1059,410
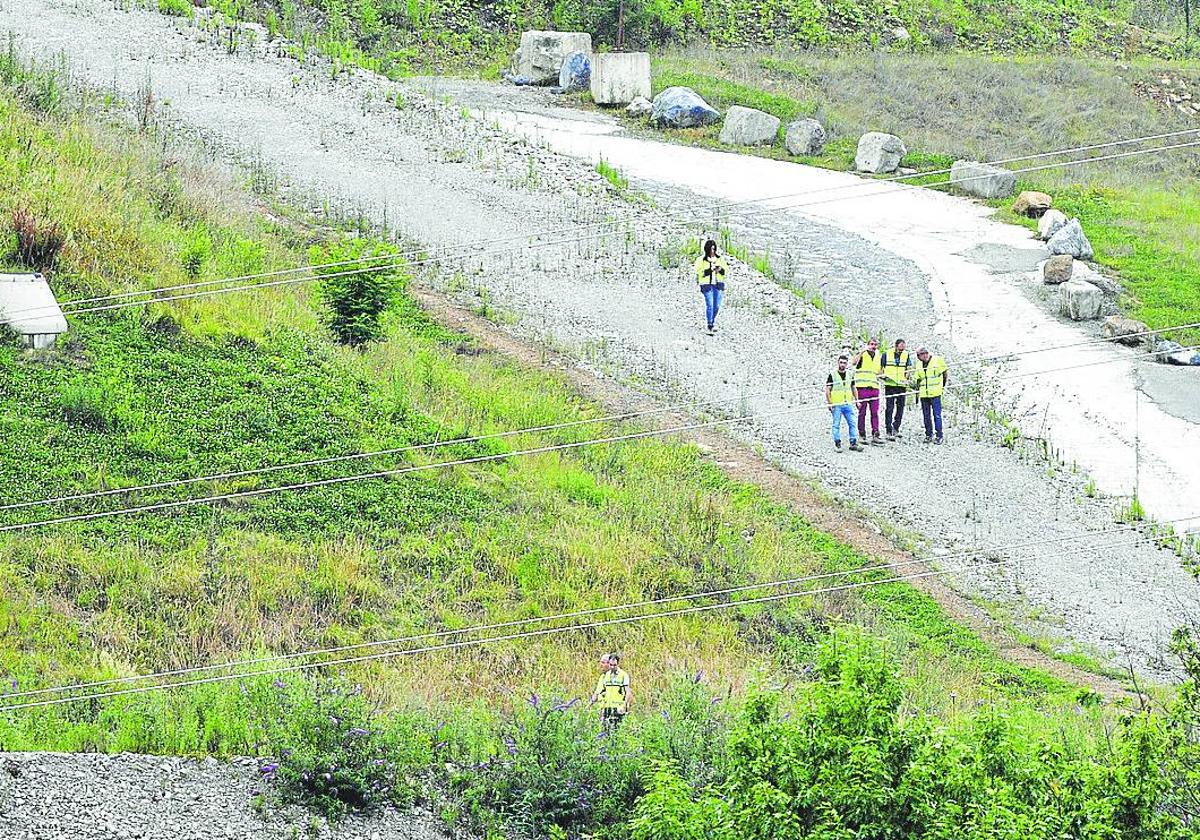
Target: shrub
89,405
359,282
39,243
554,775
176,8
330,754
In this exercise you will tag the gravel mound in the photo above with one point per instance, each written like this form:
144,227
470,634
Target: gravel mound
52,796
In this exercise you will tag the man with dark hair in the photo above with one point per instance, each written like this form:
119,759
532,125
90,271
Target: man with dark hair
612,692
867,366
931,376
897,368
840,397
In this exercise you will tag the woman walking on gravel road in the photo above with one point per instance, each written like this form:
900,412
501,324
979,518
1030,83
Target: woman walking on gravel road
710,274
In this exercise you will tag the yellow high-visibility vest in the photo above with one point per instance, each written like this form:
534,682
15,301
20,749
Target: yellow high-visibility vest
931,378
719,269
613,689
895,368
840,393
866,374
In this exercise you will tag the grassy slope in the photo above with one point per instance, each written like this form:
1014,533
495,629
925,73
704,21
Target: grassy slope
449,35
1142,214
224,383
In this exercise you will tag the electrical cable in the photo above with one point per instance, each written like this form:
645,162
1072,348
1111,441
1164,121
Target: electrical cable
563,616
400,261
621,620
181,503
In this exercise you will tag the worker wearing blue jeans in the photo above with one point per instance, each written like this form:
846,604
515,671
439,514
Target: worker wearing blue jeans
840,397
710,274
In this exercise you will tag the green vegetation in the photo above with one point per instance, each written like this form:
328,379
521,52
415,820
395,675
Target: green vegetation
843,713
613,175
1142,214
397,38
359,282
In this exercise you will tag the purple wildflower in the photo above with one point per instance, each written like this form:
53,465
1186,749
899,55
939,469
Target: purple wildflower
357,732
510,745
533,699
699,676
269,769
278,683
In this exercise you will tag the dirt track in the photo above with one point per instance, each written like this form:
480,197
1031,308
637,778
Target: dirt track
626,306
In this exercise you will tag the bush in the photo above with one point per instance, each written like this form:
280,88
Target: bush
555,775
176,8
359,282
330,753
39,243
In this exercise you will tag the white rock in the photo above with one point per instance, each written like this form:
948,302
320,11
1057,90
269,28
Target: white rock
879,152
620,78
1050,223
982,179
1070,239
540,57
748,127
1079,300
640,107
805,137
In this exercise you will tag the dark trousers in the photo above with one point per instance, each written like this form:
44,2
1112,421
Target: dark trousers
931,410
894,413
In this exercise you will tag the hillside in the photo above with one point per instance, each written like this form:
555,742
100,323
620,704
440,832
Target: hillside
848,713
448,35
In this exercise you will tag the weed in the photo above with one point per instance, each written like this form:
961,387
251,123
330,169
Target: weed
610,173
39,243
177,8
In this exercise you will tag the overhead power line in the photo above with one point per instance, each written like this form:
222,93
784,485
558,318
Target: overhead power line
324,482
504,625
155,295
342,662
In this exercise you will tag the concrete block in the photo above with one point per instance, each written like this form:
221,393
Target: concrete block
620,78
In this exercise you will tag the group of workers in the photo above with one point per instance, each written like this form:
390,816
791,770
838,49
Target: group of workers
856,387
855,384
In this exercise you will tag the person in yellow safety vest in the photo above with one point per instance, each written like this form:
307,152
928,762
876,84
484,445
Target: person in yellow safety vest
710,274
839,396
930,376
897,367
867,366
613,691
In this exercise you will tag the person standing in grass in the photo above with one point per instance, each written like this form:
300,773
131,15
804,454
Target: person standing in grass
930,378
867,366
897,368
710,274
839,396
612,692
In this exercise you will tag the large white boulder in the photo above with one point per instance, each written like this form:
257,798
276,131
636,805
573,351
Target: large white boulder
1070,239
620,78
1079,300
879,153
982,179
805,137
682,107
748,127
540,57
1050,223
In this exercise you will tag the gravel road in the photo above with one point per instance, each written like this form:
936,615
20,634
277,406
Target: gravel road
626,304
48,796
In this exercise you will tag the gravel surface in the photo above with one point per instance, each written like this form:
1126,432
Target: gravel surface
51,796
627,305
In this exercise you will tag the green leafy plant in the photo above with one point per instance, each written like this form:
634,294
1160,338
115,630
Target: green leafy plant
329,753
359,280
